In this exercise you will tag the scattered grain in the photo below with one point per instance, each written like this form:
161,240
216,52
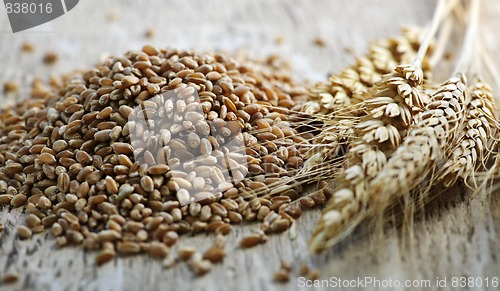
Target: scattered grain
104,256
23,232
250,240
27,47
314,274
185,253
10,87
320,42
282,276
50,58
214,255
10,278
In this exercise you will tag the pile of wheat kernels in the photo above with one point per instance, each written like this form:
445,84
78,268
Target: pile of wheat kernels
66,153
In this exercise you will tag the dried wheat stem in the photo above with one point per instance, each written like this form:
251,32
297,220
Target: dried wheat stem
439,12
470,38
488,62
442,42
446,31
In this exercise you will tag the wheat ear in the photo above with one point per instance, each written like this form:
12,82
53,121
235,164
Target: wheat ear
437,128
393,103
476,143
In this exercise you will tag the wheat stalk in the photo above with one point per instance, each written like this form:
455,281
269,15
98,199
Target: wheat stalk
437,128
425,143
391,107
352,83
465,159
338,104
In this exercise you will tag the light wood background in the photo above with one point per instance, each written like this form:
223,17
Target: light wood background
459,239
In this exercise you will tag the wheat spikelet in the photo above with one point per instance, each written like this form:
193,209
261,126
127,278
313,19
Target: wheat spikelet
389,113
475,144
353,82
384,173
390,110
407,166
337,105
425,143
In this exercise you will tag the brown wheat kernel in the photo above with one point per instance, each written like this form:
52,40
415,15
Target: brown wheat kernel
219,241
10,278
90,243
23,232
10,87
280,39
128,248
150,33
70,218
279,225
49,220
18,200
56,229
201,267
38,229
214,255
3,189
84,181
304,270
170,238
314,274
47,158
50,58
147,183
32,221
185,253
158,250
111,185
27,47
282,276
108,235
74,237
104,256
5,199
286,265
307,202
320,42
251,240
223,229
44,203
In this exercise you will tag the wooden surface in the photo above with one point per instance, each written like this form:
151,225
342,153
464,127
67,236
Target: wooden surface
460,239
